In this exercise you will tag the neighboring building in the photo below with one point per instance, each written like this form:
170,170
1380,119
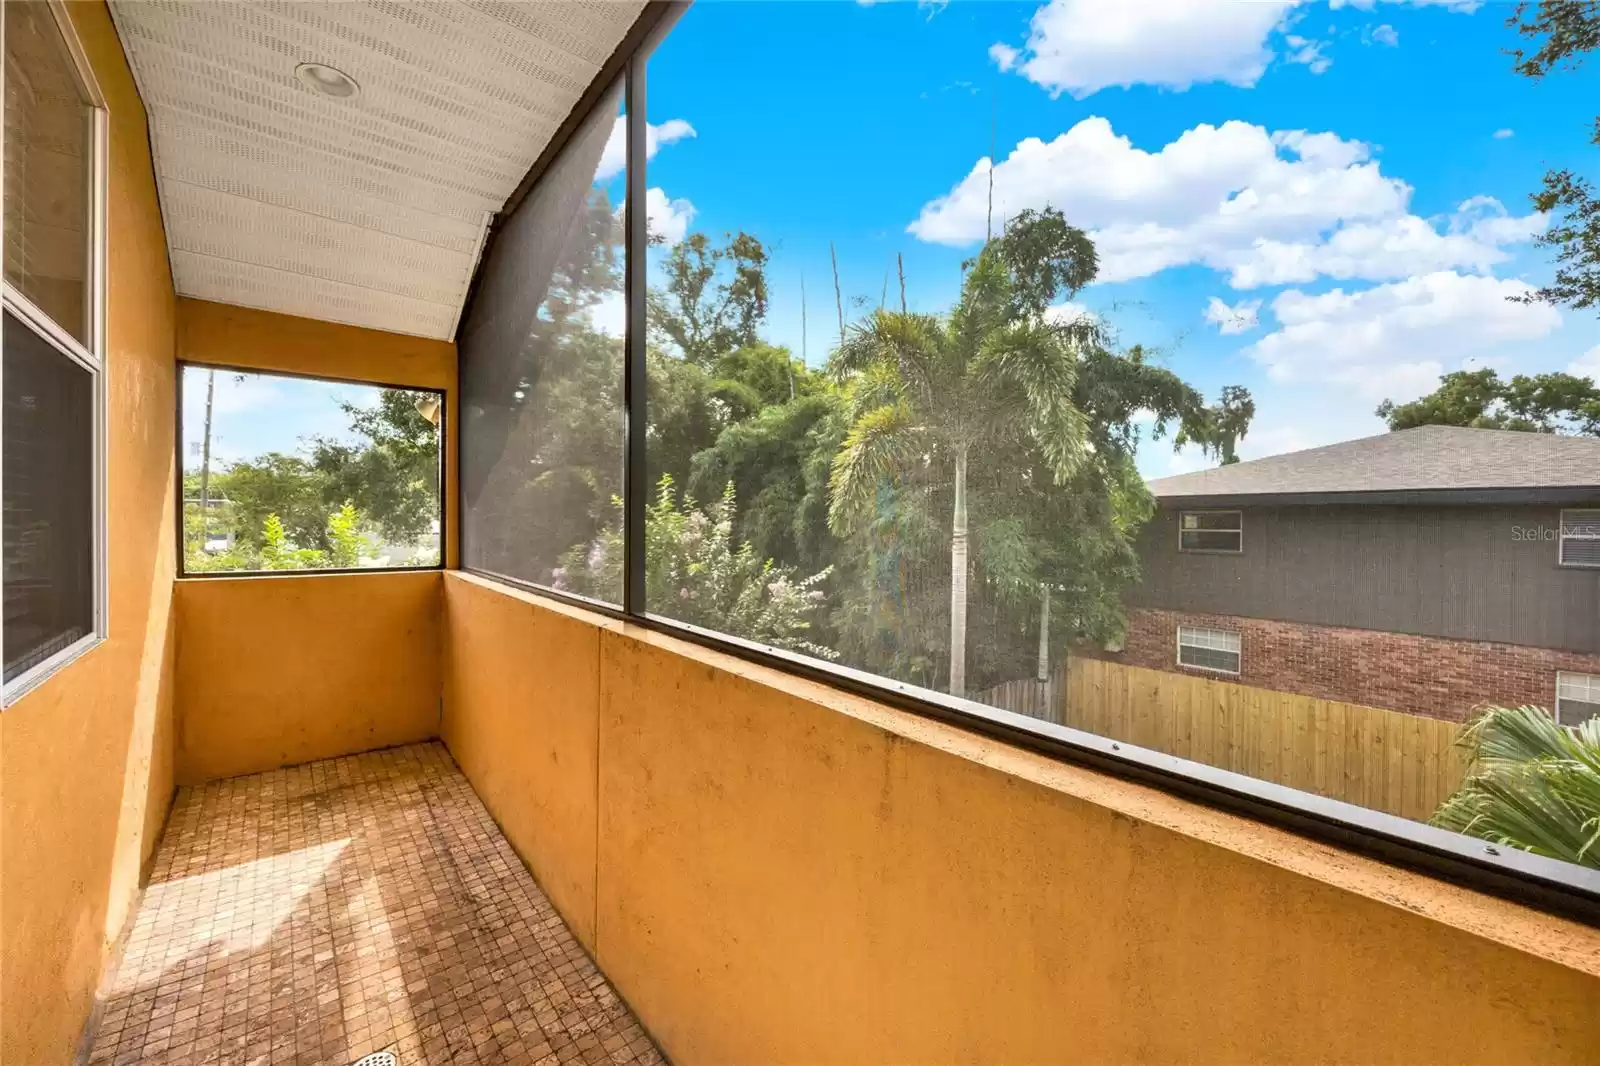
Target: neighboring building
1427,571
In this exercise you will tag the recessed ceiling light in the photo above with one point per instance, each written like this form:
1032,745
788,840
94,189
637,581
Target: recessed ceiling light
329,81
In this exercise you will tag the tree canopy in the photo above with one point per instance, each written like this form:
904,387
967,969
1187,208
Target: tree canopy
1534,403
1565,31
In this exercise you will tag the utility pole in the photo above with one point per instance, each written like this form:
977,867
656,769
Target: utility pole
805,357
838,298
1044,635
205,463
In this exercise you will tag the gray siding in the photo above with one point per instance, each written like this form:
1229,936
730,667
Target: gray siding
1458,572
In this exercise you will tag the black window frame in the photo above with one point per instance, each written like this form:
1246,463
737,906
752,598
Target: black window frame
445,484
1547,884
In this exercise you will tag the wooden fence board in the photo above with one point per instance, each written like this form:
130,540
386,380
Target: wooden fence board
1386,760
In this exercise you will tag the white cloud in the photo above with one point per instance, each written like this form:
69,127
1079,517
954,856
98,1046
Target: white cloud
1240,318
1268,208
1307,53
1504,134
1394,340
1083,46
668,218
1063,314
1587,365
609,316
615,155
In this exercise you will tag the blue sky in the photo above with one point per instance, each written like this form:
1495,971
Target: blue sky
1348,183
256,413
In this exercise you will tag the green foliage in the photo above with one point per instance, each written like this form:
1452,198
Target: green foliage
1537,403
1035,418
346,542
696,574
1567,30
388,479
279,553
1533,785
392,475
714,298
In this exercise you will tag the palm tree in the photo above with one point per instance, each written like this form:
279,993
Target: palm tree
1534,785
931,396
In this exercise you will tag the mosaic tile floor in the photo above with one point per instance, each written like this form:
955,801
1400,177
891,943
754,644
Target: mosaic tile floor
322,912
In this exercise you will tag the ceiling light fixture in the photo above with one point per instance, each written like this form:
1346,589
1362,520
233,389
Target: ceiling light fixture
329,81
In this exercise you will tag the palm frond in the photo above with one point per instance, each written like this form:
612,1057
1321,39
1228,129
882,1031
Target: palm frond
874,451
1533,785
1030,360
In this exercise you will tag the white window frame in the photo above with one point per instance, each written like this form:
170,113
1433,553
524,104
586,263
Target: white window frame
1562,537
1230,636
1591,682
1238,528
90,356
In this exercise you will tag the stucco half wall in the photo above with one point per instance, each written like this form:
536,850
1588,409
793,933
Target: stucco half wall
783,873
86,770
275,671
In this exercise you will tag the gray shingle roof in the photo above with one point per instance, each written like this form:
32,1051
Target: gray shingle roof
1425,459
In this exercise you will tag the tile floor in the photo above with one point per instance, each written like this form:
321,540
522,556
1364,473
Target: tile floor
322,912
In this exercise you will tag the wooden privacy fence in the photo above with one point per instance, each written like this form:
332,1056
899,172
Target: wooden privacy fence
1385,760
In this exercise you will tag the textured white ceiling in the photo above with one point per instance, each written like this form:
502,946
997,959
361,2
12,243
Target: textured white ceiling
366,211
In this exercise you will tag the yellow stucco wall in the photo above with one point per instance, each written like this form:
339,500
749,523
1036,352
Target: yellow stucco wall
273,671
788,874
223,335
86,759
544,797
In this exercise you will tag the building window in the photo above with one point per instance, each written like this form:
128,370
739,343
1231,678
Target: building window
51,447
292,473
1211,531
1580,538
1209,649
1577,698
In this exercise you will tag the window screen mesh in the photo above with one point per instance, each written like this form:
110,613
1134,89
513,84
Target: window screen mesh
48,492
541,372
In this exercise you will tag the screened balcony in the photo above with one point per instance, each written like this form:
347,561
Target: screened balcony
595,533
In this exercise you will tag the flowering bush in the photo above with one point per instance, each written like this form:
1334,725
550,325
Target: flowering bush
695,574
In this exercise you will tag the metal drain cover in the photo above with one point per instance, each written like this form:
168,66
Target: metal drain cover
377,1058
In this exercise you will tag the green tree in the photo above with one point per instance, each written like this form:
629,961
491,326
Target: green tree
714,299
391,473
697,573
1002,412
278,552
938,393
1536,403
1533,785
284,486
1566,31
346,542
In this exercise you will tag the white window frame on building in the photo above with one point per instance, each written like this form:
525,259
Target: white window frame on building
1585,515
88,354
1200,638
1237,528
1580,688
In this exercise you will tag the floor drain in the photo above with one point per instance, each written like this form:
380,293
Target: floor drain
377,1058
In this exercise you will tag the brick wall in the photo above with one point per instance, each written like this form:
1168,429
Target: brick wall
1429,676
